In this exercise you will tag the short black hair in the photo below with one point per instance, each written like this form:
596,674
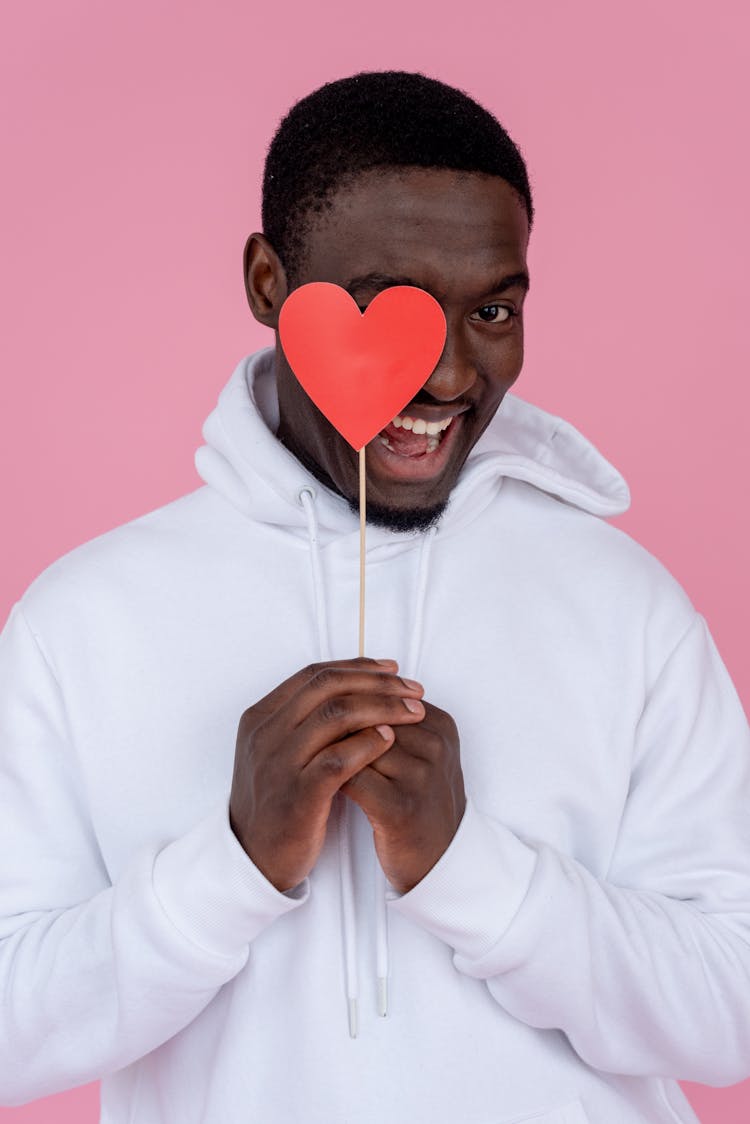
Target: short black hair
369,121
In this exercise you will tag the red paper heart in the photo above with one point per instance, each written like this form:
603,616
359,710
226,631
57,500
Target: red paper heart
360,369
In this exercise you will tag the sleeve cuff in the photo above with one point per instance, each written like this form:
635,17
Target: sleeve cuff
473,892
213,892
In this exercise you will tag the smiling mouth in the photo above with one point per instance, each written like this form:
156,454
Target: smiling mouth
413,436
412,448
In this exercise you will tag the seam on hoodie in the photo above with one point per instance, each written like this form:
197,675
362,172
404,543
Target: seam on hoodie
553,476
667,1101
39,644
648,694
565,426
651,688
136,1095
70,745
547,449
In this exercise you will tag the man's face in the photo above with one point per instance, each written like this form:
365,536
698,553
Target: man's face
462,237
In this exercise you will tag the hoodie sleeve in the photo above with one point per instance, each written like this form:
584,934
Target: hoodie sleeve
95,975
647,971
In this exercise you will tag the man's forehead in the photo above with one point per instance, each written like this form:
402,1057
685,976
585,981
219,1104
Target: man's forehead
416,228
415,195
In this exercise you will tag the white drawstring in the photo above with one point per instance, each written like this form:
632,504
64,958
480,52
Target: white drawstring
346,867
381,938
349,915
410,672
412,662
307,499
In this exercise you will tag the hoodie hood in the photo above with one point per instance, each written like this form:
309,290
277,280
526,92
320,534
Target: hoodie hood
245,462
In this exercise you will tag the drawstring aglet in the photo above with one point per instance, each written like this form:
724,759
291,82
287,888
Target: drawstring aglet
353,1018
382,996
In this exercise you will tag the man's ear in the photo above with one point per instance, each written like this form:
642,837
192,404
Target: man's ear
265,280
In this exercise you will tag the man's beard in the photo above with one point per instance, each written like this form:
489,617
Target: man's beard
393,519
378,514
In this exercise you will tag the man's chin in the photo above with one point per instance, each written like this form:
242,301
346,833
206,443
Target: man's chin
379,515
403,521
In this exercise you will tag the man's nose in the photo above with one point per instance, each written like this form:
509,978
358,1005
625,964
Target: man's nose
455,372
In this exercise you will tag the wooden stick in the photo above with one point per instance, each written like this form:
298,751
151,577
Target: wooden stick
362,479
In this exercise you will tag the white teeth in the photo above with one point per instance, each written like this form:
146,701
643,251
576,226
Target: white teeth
433,429
419,425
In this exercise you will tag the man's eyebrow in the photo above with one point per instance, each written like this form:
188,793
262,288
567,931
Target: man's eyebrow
380,281
520,279
386,281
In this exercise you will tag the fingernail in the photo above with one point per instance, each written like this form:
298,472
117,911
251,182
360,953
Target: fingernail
413,705
391,663
413,684
385,732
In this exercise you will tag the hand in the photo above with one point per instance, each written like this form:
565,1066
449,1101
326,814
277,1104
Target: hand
299,745
413,795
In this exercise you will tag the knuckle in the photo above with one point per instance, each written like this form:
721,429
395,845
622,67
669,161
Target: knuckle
258,734
250,717
244,724
452,728
388,682
434,744
331,710
406,803
422,772
247,734
332,763
326,677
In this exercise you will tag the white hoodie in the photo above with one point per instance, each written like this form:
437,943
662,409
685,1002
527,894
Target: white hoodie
585,939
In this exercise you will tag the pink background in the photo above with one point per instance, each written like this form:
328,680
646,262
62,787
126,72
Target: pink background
133,155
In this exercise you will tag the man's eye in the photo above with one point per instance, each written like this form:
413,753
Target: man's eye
494,313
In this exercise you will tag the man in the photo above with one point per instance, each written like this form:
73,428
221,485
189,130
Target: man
520,830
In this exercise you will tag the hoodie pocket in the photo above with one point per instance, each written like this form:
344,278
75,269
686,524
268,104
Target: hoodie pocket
571,1113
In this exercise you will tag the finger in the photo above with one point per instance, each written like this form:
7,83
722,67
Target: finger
369,789
285,691
341,716
333,683
391,764
430,740
407,771
413,742
335,765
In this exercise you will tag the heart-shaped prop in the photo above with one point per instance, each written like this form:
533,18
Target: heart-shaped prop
361,369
